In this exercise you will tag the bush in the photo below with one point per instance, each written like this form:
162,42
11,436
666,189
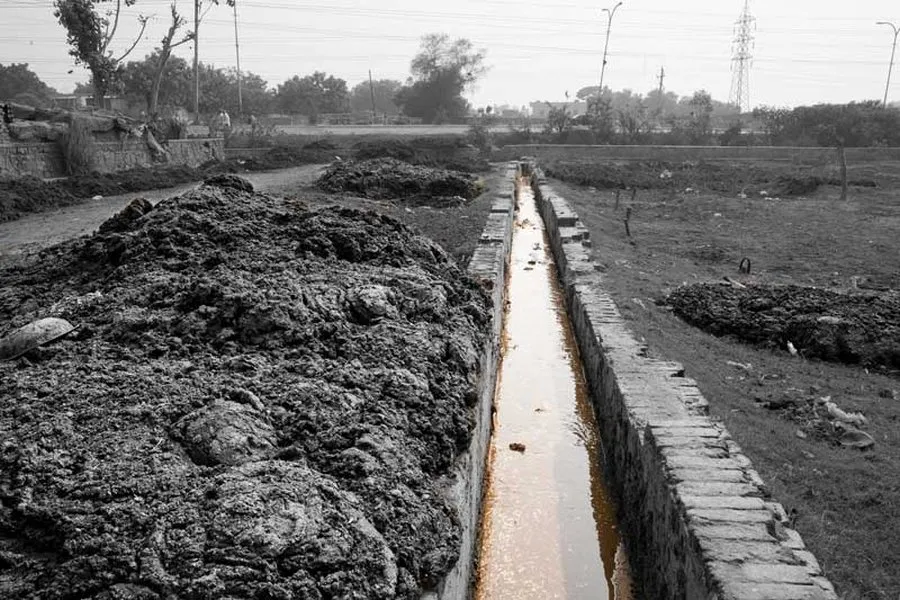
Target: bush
78,149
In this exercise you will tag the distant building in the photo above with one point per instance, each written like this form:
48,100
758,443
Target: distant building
71,102
541,110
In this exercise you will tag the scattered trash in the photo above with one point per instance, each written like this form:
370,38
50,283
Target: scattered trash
744,366
853,418
800,434
97,197
791,348
854,438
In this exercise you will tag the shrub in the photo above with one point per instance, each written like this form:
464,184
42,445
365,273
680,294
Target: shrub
78,149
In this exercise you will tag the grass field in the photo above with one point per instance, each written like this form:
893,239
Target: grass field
846,502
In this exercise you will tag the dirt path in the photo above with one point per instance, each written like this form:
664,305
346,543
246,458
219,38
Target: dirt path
39,230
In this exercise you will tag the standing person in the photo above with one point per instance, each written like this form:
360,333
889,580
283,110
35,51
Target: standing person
225,123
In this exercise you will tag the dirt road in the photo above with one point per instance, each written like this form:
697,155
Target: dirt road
36,231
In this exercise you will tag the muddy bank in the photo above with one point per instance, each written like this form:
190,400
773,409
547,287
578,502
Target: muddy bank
260,402
29,194
858,328
390,178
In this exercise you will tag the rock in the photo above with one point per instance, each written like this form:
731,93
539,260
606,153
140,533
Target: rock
125,218
517,447
227,180
227,433
29,337
33,131
370,304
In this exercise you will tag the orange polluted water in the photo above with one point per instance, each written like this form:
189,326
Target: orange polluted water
549,525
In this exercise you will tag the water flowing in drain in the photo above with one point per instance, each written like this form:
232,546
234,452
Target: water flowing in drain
549,525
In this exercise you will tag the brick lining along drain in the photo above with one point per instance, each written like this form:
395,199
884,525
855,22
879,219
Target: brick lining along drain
549,524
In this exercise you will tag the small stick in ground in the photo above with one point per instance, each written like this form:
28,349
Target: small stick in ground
618,195
633,194
744,267
626,221
843,159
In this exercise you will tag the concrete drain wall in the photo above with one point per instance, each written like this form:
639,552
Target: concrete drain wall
488,266
699,523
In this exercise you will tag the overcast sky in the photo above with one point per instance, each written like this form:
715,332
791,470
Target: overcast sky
806,51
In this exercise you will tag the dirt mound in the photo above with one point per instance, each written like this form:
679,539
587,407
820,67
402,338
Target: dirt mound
260,401
849,328
390,148
448,152
388,178
132,180
30,194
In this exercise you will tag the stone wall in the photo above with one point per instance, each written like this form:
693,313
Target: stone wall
700,523
488,267
45,160
812,156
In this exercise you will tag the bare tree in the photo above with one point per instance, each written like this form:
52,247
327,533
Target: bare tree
89,35
165,51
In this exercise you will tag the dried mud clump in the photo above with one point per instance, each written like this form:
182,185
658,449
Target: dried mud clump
858,328
260,401
392,179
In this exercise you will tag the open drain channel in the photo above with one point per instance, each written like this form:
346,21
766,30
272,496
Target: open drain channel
549,528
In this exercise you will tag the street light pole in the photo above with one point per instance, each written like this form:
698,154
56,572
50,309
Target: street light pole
893,53
610,14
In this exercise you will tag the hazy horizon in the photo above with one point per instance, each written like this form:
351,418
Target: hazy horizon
805,52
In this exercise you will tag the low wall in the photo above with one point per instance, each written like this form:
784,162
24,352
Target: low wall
489,267
45,160
699,524
813,156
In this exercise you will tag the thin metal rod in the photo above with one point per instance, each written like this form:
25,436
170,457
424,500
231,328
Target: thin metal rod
887,87
237,50
611,14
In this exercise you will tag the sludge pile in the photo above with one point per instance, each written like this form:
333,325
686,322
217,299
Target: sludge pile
259,402
389,178
859,328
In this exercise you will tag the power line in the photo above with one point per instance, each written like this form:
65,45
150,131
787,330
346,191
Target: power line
742,59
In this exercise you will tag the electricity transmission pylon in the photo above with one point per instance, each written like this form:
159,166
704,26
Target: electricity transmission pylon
742,59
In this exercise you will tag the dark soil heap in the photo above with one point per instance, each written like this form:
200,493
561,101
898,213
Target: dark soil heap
858,328
448,152
30,194
261,401
389,178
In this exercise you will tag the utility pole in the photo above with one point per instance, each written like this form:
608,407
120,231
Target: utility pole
610,15
662,78
372,91
196,62
893,53
742,58
237,51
